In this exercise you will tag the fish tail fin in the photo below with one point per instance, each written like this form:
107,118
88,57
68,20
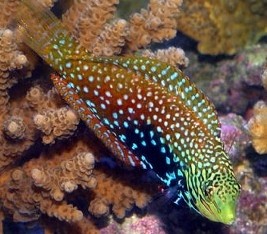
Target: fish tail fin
38,26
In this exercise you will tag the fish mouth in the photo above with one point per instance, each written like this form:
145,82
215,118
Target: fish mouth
213,213
209,211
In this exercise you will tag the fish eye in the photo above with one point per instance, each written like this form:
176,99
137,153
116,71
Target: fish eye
207,190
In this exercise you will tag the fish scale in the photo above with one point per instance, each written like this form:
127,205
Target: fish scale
145,111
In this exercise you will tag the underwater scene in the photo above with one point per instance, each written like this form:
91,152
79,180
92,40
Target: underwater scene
133,117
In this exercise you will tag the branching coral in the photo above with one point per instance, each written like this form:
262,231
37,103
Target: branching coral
13,65
8,9
109,36
257,125
20,131
154,24
223,26
172,55
66,178
39,186
90,14
122,197
11,59
58,123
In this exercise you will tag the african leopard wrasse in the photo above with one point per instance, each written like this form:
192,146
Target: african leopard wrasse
145,111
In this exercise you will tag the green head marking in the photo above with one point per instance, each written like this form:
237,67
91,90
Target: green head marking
219,198
212,188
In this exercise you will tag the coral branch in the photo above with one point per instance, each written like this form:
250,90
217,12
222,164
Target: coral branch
59,123
224,26
172,55
156,24
258,127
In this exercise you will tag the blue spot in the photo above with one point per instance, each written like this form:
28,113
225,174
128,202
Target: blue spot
94,110
130,110
122,138
106,121
88,103
162,140
62,42
135,122
143,67
168,161
70,85
125,124
103,106
174,75
143,143
179,173
163,150
164,72
153,69
115,115
134,146
68,65
91,78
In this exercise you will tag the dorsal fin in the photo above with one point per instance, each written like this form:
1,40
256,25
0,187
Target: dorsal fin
175,81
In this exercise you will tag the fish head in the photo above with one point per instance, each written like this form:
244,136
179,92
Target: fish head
219,198
211,188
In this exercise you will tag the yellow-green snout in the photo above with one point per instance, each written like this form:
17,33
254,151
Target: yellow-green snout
218,210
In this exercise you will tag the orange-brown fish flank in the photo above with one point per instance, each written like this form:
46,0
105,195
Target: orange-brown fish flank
146,112
94,123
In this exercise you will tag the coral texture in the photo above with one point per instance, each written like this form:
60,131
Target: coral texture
258,127
154,24
9,8
149,224
223,26
235,136
172,55
11,59
228,82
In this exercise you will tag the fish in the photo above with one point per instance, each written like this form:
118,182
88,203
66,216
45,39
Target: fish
146,112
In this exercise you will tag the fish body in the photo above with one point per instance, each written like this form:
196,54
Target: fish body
145,111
